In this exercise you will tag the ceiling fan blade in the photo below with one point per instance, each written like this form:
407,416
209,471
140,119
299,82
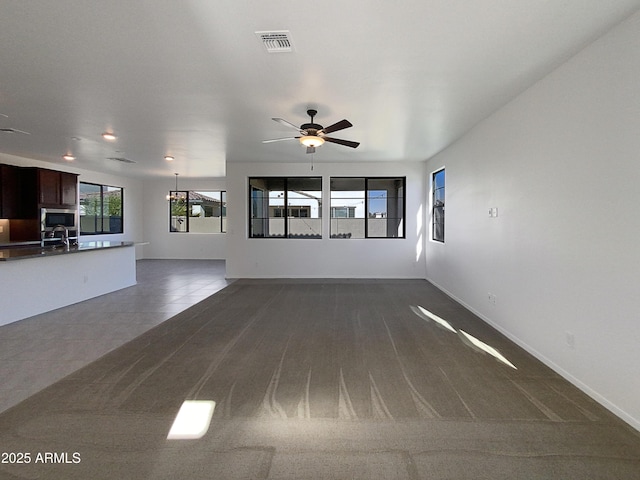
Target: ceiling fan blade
339,141
341,125
285,123
279,139
13,130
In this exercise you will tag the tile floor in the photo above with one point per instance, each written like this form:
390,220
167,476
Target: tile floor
38,351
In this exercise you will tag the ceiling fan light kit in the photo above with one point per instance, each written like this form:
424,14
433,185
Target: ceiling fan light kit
311,141
313,135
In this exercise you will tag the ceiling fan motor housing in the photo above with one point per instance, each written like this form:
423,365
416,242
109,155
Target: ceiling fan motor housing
312,127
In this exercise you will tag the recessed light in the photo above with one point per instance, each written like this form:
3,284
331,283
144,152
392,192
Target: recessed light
169,158
69,157
109,136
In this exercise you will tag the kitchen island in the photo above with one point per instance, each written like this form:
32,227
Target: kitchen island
35,280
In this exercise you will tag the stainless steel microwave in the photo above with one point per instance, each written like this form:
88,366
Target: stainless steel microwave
52,217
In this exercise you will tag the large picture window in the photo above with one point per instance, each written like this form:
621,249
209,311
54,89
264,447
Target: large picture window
365,207
196,211
285,207
437,206
101,208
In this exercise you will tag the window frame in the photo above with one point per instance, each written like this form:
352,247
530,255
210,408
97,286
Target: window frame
185,195
367,213
103,187
438,218
285,210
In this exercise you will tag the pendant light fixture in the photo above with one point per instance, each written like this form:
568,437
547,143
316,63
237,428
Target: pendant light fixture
175,195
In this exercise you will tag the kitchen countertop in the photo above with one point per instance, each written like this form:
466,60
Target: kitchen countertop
20,252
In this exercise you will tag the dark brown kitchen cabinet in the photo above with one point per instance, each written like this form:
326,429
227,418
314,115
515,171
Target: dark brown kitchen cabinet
68,189
57,189
9,191
48,187
24,190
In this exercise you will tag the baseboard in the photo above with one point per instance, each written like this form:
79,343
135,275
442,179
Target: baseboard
322,277
602,400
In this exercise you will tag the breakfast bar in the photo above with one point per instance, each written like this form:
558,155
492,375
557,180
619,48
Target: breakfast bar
37,279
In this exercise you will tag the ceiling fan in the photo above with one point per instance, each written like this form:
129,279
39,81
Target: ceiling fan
313,135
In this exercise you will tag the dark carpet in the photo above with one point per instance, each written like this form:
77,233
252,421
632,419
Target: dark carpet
318,379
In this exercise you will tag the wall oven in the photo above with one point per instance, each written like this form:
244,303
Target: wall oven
56,223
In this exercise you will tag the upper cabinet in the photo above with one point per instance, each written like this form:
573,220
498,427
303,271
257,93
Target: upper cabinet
9,191
48,187
69,189
57,189
24,190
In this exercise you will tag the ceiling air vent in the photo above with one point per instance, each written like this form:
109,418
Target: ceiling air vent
121,159
278,41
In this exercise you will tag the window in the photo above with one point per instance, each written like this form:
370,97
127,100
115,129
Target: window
343,212
437,206
285,207
100,209
363,207
198,211
291,211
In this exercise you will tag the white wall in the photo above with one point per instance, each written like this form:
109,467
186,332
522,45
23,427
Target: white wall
324,258
31,286
132,192
163,244
562,165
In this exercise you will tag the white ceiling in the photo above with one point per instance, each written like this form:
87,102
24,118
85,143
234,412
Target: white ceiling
190,78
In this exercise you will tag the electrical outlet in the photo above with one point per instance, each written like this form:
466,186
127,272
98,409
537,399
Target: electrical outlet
492,298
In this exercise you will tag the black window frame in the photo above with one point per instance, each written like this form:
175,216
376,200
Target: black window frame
438,207
101,209
281,210
367,214
180,195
